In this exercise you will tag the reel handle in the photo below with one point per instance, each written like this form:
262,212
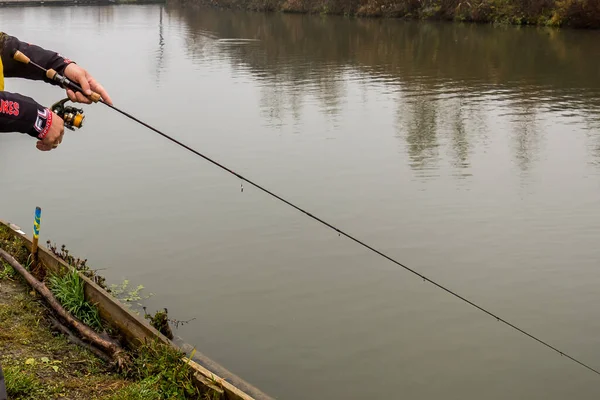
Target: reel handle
73,117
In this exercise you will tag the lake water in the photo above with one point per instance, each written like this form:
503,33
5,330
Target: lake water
469,153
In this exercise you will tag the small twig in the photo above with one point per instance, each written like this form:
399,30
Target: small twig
75,340
177,322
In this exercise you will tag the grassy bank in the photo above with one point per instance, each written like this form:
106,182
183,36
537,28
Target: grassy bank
571,13
40,363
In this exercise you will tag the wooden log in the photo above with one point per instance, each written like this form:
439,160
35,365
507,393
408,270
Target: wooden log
106,344
75,340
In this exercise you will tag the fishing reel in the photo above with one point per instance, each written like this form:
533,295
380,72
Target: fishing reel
72,116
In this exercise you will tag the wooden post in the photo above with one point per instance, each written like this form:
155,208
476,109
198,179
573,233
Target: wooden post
36,234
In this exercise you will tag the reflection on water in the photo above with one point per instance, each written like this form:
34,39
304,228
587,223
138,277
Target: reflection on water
160,53
421,131
445,74
526,136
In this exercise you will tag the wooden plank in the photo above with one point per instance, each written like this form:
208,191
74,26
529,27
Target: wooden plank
235,388
232,391
207,384
136,330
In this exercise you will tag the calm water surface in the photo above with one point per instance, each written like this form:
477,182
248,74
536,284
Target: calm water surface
470,153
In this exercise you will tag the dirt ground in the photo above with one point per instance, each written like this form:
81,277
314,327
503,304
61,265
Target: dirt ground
39,363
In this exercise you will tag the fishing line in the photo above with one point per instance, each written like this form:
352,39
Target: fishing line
95,97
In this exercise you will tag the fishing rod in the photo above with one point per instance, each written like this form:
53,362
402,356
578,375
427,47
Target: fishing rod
95,97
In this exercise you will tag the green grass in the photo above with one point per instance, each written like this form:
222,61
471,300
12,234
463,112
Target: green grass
68,290
21,384
13,246
6,271
173,378
144,390
160,374
40,364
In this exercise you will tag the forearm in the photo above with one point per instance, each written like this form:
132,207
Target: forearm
19,113
45,58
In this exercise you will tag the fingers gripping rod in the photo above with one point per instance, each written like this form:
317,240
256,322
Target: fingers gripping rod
96,97
55,76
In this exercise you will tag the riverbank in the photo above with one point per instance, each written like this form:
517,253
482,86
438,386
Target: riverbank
567,13
43,358
40,364
145,363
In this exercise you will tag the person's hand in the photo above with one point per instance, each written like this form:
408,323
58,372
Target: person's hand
54,136
87,82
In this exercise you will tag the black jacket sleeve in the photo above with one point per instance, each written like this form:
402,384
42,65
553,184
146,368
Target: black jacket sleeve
45,58
19,113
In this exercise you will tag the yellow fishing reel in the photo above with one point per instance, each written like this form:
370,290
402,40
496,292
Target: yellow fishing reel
72,116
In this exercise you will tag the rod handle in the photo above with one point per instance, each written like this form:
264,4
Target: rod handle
95,97
20,57
55,76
